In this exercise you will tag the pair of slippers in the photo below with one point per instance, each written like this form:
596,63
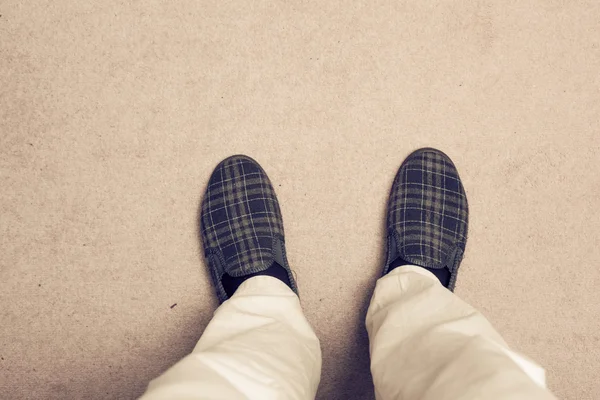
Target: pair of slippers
242,227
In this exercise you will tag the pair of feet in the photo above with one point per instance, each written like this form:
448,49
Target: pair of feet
242,227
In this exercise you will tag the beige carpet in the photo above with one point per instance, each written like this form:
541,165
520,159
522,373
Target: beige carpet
113,114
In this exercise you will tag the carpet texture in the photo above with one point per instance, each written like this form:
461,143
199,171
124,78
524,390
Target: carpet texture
114,113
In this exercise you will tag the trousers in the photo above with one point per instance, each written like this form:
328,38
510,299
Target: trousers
425,343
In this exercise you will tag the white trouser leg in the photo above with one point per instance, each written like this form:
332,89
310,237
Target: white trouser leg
428,344
258,345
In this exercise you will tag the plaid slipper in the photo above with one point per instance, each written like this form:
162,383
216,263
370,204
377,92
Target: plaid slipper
241,222
427,217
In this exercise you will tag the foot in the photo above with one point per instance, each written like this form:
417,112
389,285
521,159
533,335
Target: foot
427,216
242,228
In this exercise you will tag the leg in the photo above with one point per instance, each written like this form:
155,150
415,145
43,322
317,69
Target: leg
426,343
258,346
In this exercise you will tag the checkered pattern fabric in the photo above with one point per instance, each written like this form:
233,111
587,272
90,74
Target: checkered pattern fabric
428,213
241,222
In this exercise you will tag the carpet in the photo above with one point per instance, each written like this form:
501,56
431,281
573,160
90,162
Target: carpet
114,113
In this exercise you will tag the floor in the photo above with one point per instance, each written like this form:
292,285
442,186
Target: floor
114,113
